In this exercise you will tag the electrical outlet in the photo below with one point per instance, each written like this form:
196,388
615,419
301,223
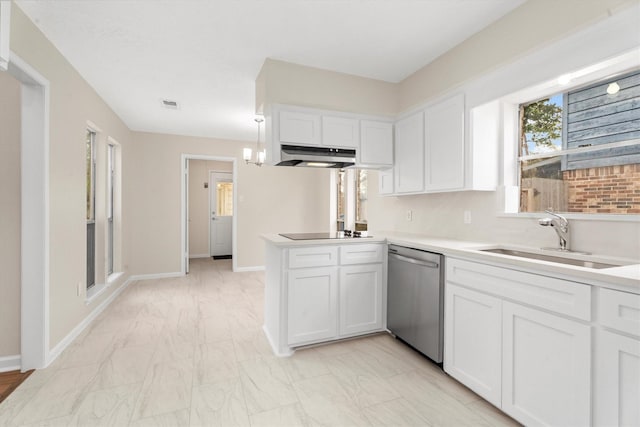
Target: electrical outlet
467,217
79,289
409,215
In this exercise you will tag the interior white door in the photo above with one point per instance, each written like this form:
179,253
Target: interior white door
186,216
221,210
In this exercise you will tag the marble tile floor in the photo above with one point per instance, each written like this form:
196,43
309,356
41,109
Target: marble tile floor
190,351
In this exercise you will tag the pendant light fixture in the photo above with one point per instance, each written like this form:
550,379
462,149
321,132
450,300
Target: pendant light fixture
247,154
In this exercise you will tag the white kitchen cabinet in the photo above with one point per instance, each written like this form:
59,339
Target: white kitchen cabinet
444,145
299,128
543,362
323,292
385,182
409,154
340,132
546,368
473,348
617,364
617,391
312,304
376,143
360,299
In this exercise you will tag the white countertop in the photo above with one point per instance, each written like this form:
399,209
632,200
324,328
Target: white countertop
624,278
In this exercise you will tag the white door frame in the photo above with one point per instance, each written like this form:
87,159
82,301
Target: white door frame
34,253
184,223
210,172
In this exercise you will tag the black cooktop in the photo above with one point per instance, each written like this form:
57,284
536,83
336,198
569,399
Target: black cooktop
319,236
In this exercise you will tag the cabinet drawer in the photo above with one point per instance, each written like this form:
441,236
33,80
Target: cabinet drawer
561,296
316,256
361,254
619,310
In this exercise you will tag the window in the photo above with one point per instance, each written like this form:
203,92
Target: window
351,199
90,178
580,150
341,204
361,200
111,170
224,198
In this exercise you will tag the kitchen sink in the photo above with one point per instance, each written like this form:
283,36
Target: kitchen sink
551,258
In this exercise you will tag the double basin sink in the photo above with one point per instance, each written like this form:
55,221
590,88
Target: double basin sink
567,258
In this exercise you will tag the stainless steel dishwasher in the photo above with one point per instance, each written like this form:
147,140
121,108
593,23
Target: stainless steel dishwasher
415,299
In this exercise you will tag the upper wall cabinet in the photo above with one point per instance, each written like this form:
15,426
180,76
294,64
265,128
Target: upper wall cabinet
340,132
299,128
370,136
409,155
376,147
444,145
5,15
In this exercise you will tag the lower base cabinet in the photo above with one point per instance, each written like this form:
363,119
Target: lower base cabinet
312,304
342,299
617,391
360,299
546,368
473,330
534,365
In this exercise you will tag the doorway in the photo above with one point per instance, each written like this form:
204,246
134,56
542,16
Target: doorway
201,203
34,214
221,208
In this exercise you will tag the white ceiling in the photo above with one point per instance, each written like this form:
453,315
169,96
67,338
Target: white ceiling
207,54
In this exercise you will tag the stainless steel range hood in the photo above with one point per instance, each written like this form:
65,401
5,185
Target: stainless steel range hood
319,157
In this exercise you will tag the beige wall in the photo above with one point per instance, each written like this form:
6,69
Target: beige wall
286,83
9,215
534,25
72,103
199,203
270,200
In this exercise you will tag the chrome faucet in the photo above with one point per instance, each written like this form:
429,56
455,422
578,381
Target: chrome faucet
560,224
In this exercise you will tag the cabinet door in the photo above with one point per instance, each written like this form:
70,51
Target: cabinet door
444,145
617,372
340,132
299,128
376,143
546,375
385,182
360,299
472,340
409,155
312,300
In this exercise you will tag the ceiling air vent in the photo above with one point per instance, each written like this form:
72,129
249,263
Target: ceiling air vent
172,105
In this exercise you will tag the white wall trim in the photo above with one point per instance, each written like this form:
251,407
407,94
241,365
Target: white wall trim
193,256
34,183
10,363
184,176
75,332
156,276
244,269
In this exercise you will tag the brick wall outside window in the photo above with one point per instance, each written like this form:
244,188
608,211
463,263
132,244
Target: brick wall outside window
607,189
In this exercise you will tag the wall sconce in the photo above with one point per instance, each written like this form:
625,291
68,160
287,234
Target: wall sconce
613,88
260,154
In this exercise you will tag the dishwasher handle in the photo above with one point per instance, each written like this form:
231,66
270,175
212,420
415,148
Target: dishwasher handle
414,261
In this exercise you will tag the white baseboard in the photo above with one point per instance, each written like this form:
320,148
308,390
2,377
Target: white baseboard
193,256
254,268
155,276
275,349
71,336
10,363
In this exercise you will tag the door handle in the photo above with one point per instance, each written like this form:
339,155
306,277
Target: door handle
415,261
